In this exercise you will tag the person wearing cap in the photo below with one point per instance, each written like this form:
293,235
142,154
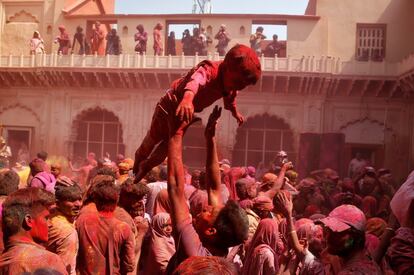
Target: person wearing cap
63,238
345,235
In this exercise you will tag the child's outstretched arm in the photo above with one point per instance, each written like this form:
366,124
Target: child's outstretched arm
230,104
199,78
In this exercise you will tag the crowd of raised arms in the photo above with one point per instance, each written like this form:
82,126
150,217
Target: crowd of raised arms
101,43
153,215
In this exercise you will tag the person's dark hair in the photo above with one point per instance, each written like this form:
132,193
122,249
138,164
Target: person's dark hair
244,59
105,194
131,189
197,265
153,175
27,201
68,193
202,180
241,189
163,172
36,166
231,224
9,182
106,171
42,155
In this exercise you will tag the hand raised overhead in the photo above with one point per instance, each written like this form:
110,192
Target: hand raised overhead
210,130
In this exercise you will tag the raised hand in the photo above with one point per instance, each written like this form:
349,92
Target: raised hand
210,130
285,202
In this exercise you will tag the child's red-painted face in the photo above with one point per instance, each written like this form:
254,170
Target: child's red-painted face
235,80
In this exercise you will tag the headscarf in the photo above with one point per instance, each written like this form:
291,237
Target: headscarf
263,203
376,226
198,200
400,203
306,229
265,237
161,247
162,202
246,204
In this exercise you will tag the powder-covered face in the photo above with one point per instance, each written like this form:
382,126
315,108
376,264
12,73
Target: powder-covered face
338,243
40,225
167,228
70,209
235,80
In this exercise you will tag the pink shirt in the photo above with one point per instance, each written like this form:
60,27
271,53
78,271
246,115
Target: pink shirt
205,82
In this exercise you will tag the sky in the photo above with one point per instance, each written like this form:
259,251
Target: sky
218,6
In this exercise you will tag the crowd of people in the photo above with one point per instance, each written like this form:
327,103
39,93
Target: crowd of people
224,219
153,215
102,43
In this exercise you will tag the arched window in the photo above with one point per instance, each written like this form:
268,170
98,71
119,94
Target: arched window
125,30
209,30
98,131
194,147
242,30
260,138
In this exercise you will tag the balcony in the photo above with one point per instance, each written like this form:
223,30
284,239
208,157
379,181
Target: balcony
308,64
305,75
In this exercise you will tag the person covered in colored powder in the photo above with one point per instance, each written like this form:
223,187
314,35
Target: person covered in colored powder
198,89
98,40
141,38
157,39
63,40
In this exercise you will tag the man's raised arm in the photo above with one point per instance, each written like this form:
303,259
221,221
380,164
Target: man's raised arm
212,166
176,180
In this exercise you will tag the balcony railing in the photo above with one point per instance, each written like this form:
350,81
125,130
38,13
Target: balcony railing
307,64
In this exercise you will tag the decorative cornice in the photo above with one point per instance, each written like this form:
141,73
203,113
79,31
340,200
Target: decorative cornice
23,14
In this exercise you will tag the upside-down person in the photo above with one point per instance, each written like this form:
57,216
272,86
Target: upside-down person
218,226
198,89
